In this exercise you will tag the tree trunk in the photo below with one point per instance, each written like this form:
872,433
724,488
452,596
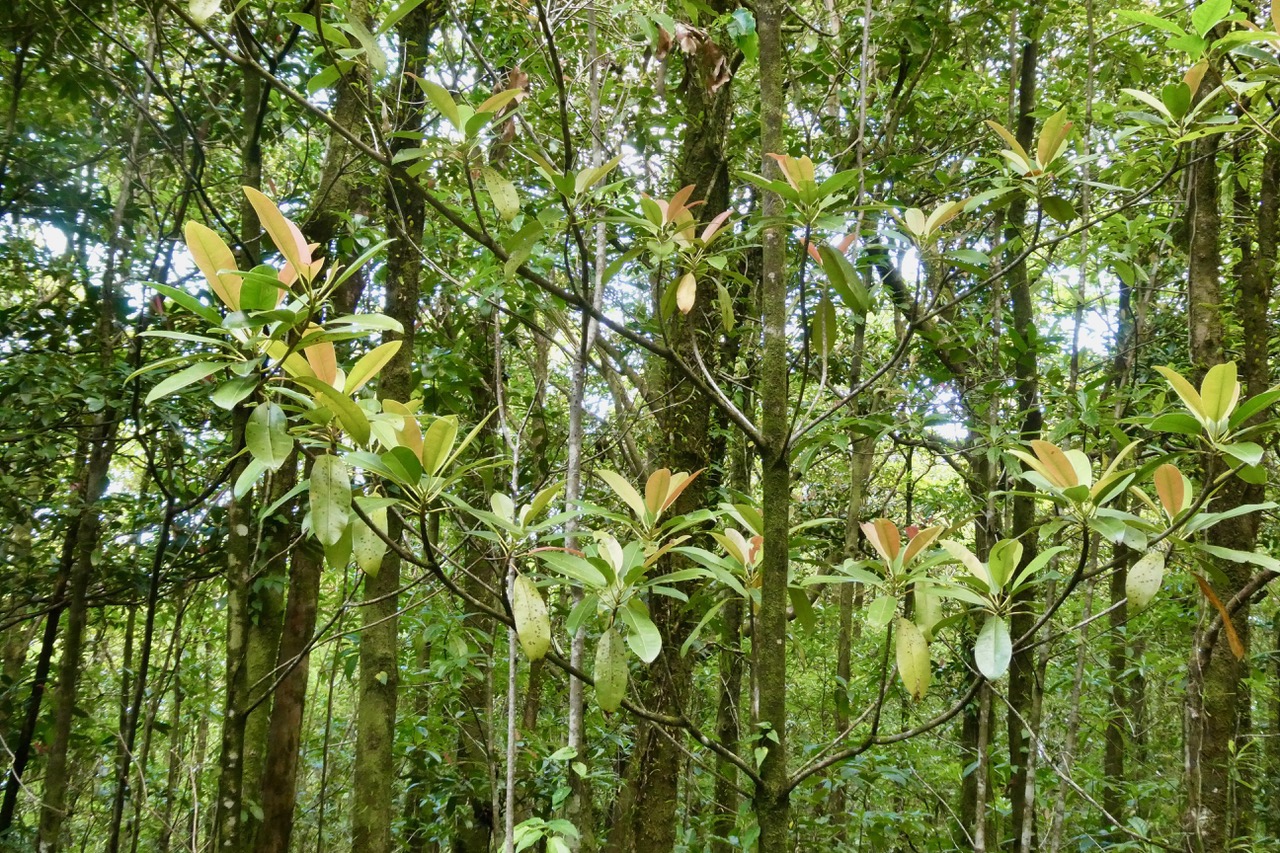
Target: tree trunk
227,826
684,444
1022,677
375,768
279,778
102,443
769,638
1215,818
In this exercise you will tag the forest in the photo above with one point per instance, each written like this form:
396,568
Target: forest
639,426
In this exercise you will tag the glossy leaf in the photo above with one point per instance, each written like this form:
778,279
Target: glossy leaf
642,634
267,435
330,499
912,655
187,376
283,233
211,255
369,365
533,624
993,649
610,672
1143,580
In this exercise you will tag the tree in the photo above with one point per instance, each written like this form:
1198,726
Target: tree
770,387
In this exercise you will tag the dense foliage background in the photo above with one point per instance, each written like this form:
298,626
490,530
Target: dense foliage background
638,426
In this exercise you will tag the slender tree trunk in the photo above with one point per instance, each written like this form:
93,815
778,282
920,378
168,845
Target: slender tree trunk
279,780
375,768
102,442
40,677
1114,795
772,798
266,619
1022,680
135,698
684,444
1216,693
1271,790
227,825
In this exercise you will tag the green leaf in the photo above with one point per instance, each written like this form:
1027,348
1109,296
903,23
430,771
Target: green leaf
1220,391
844,279
880,612
1177,97
1143,580
229,394
337,555
913,659
212,256
610,672
825,328
1151,21
573,567
626,491
529,611
369,365
368,322
267,435
1190,396
330,499
183,378
247,478
520,246
186,300
802,608
505,198
642,636
352,417
1150,100
1177,422
1245,452
1207,15
366,545
993,649
1253,405
1059,208
1004,559
328,75
1235,555
283,233
437,442
442,100
393,17
403,465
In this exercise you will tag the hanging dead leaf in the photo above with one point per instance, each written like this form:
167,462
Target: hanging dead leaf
1237,647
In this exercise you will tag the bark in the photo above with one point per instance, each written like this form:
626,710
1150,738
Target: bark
1022,680
772,797
1271,788
1114,796
266,620
227,827
279,779
102,444
375,768
683,444
40,677
339,193
1216,817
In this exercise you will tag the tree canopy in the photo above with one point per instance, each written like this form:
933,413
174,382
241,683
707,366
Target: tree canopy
638,426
